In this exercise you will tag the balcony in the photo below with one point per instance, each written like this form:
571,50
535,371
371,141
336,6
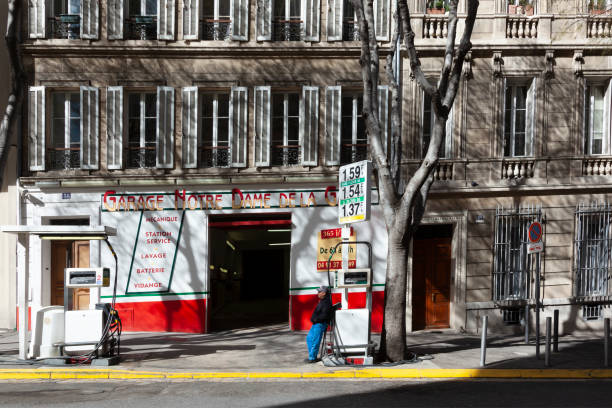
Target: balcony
519,26
597,166
216,156
513,169
599,26
281,155
350,30
444,171
65,26
215,30
435,26
64,158
141,158
287,30
141,28
350,153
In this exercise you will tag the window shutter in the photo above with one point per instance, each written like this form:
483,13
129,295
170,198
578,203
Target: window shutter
264,20
165,19
383,115
36,143
89,127
190,127
262,126
191,19
309,125
310,20
164,145
381,19
333,120
115,20
335,12
448,141
90,15
240,19
114,127
530,130
606,141
37,18
239,113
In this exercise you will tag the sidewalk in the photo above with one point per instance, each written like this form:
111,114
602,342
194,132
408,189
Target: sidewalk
276,352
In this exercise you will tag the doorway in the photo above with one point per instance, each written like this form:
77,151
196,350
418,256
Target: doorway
249,270
431,277
68,254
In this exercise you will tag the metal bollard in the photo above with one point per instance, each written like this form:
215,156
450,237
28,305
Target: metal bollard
556,331
606,340
483,342
548,330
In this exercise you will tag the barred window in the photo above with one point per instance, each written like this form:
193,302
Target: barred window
512,264
592,249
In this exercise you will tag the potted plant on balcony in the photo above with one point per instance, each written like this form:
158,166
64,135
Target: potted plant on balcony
527,7
597,7
511,8
435,7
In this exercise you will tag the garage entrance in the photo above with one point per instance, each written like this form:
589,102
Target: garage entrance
249,270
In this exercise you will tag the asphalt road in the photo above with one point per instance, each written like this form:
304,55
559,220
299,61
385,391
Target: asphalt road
305,393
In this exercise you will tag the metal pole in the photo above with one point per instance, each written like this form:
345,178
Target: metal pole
527,324
483,342
537,305
556,331
606,340
547,356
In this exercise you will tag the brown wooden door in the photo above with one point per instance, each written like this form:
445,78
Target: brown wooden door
68,254
431,269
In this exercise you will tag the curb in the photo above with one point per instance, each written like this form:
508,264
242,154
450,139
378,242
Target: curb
378,373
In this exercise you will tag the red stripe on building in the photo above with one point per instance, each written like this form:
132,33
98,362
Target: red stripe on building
188,316
29,318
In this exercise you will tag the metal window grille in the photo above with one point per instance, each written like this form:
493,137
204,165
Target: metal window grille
592,249
512,264
511,316
591,312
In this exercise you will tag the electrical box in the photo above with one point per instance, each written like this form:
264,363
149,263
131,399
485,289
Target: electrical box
353,330
354,278
83,326
87,277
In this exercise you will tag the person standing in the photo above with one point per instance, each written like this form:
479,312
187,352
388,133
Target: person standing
320,319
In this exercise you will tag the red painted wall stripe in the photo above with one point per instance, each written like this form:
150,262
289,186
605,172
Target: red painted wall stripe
29,318
188,316
303,305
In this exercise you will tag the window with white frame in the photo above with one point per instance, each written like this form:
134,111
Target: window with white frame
141,19
216,20
512,265
285,138
597,119
342,22
68,19
64,152
592,249
519,111
427,129
215,130
142,124
288,20
354,139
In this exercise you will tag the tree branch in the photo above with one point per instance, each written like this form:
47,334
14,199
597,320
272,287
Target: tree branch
449,53
395,145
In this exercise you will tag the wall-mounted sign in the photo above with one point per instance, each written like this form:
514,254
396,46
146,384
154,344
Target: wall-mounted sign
534,234
354,192
327,241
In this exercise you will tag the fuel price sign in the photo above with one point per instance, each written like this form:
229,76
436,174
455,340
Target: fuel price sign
354,192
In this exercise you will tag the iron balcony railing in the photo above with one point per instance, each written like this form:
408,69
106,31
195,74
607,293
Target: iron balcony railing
141,28
512,265
141,157
350,153
287,30
215,156
592,246
285,155
350,30
215,30
67,26
61,158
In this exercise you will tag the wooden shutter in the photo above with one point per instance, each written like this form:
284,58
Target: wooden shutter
114,127
335,16
333,121
239,113
115,19
605,148
164,145
190,127
37,18
383,115
89,127
191,19
448,141
262,125
90,16
165,19
264,20
309,125
530,122
310,20
240,19
381,19
36,142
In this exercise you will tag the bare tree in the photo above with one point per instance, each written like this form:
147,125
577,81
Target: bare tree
17,79
403,202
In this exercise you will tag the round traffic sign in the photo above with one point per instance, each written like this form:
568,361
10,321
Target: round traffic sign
535,232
